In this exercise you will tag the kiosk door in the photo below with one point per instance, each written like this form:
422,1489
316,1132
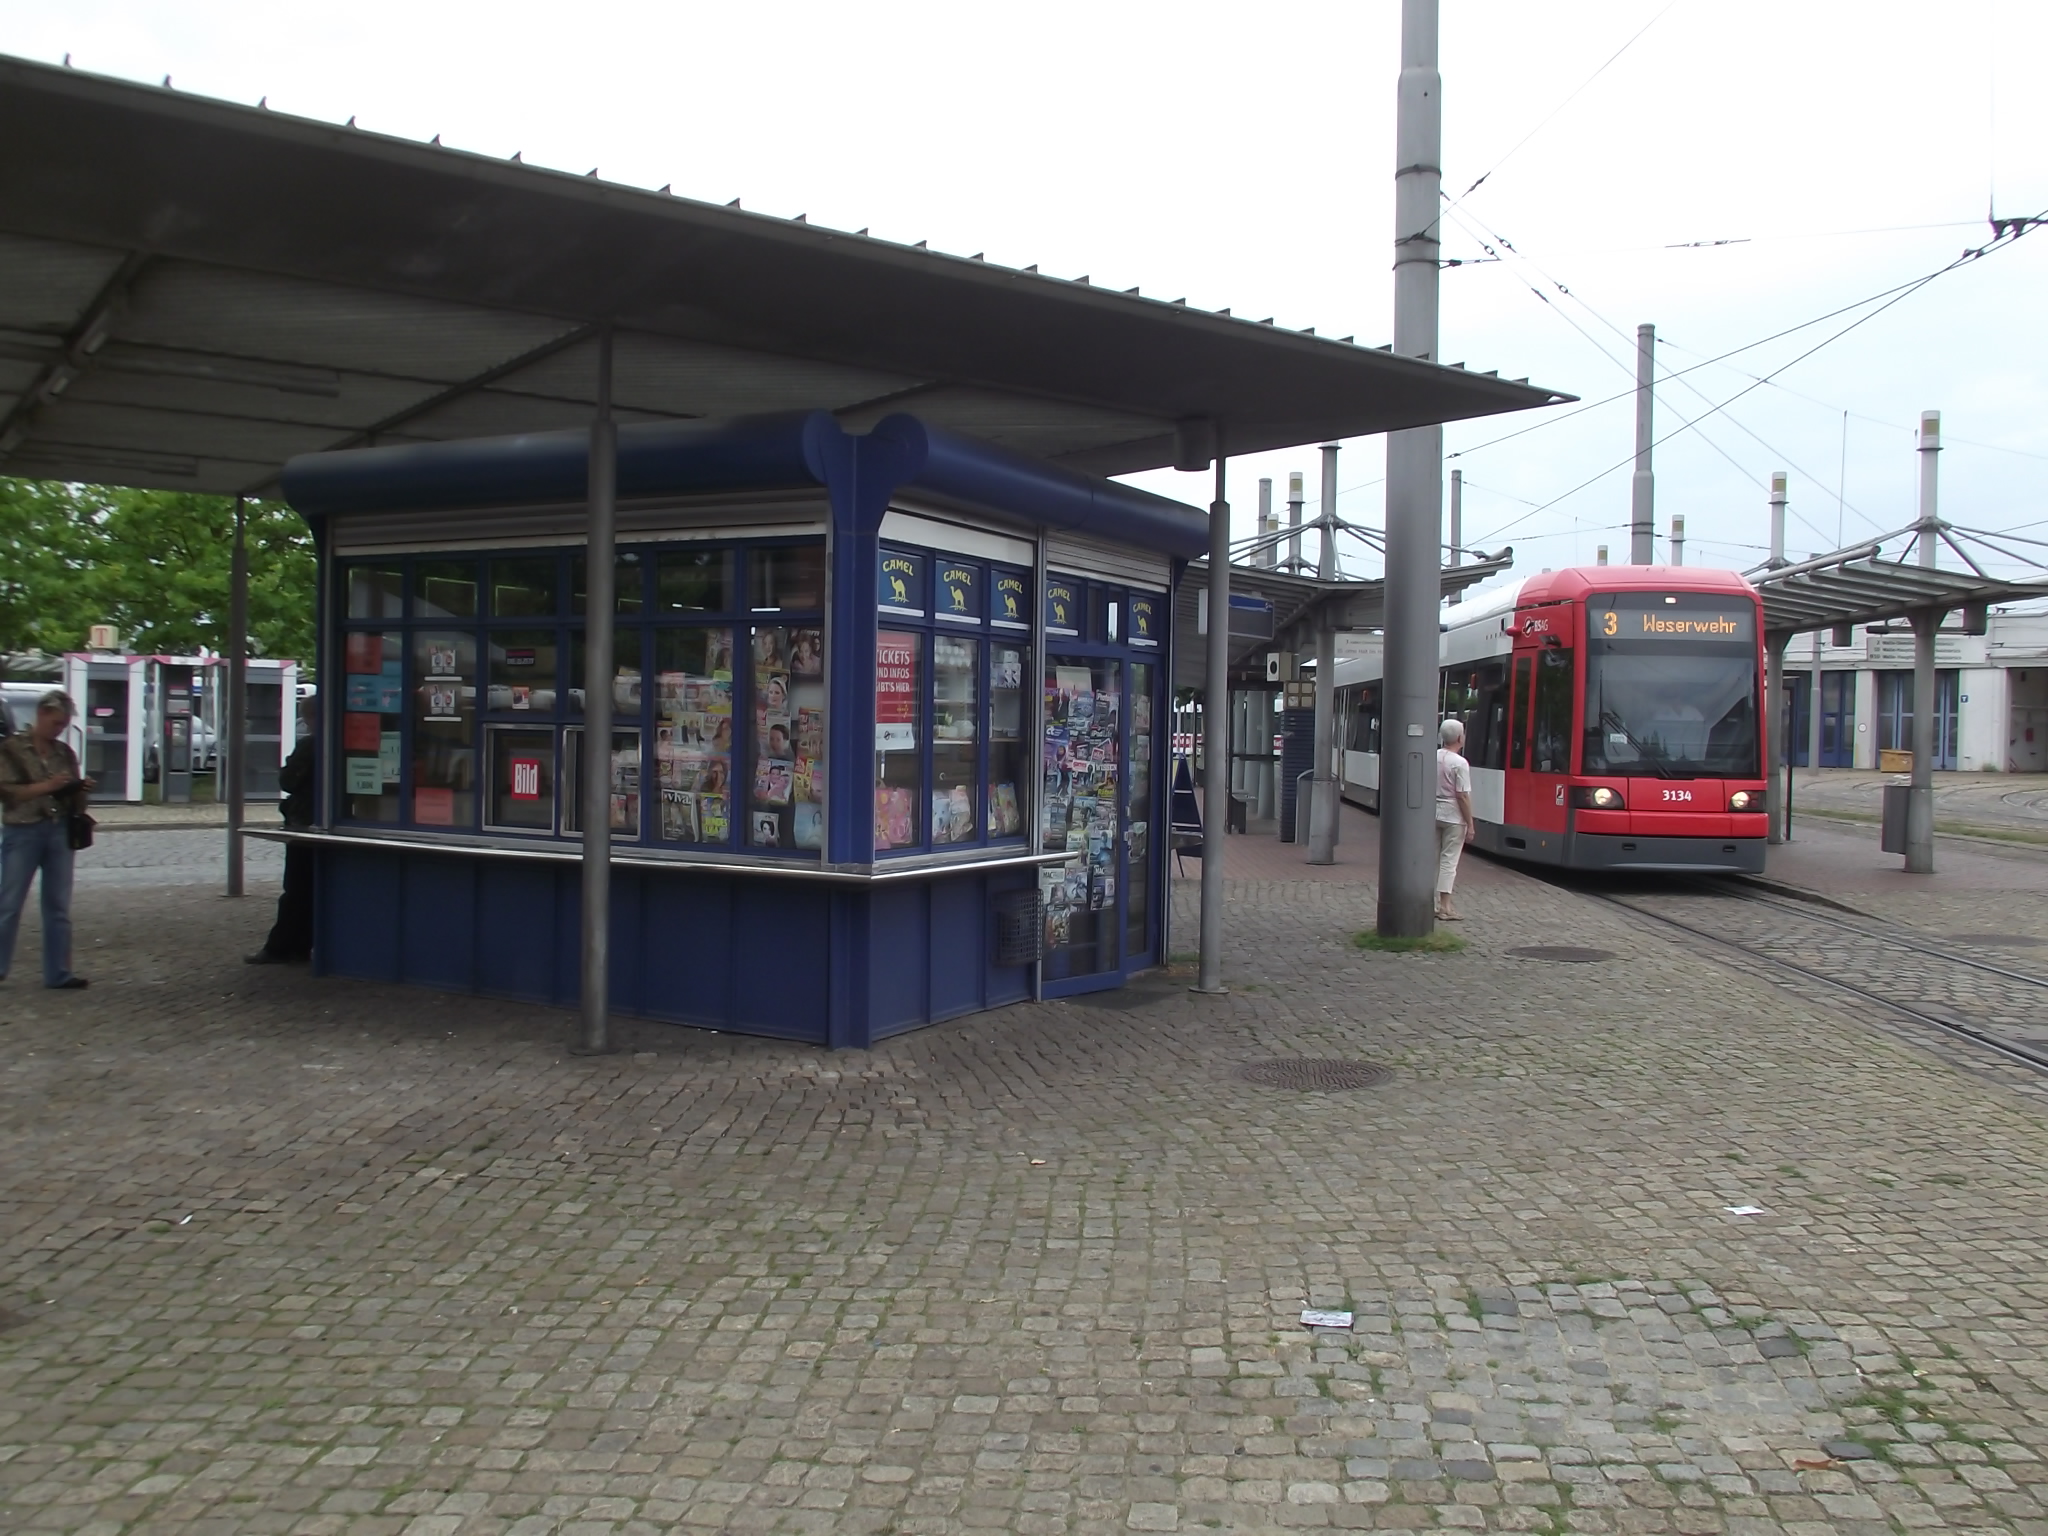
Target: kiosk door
1083,808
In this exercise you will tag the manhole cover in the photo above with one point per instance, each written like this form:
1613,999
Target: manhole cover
1310,1076
2005,940
1562,954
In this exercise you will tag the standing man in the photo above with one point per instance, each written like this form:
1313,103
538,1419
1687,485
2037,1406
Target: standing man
291,936
1453,814
40,787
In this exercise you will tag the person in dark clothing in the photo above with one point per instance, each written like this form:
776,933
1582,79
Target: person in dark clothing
291,936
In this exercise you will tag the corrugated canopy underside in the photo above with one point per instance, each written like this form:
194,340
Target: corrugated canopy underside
1821,595
191,292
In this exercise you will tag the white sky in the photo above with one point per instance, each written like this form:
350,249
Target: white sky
1243,156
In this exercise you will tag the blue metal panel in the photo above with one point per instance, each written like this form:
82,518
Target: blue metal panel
437,937
781,935
360,912
847,1028
624,969
900,946
960,949
516,918
686,949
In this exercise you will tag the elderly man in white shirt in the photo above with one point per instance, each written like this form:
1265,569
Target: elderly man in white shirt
1453,814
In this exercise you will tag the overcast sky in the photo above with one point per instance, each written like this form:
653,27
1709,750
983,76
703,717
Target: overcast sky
1243,155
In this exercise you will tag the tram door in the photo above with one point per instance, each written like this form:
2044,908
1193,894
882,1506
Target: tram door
1521,696
1550,748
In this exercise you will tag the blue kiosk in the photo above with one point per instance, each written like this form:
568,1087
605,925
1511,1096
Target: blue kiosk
889,715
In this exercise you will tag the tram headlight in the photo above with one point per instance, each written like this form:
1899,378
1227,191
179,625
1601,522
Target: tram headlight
1745,800
1596,797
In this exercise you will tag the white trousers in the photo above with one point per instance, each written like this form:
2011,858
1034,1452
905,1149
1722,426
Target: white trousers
1450,842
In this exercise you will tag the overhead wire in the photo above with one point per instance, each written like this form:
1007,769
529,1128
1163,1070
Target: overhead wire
2003,239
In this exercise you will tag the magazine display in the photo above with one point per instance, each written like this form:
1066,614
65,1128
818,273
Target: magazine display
693,727
1080,798
955,728
786,790
1007,767
899,771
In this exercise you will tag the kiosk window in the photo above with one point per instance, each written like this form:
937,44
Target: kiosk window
1009,666
694,581
788,576
522,677
522,778
523,588
444,729
899,767
373,665
625,783
628,573
693,731
956,745
376,592
444,589
786,796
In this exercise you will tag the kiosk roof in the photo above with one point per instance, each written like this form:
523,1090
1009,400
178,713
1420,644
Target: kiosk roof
193,291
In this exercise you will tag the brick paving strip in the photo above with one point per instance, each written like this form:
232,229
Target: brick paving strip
284,1255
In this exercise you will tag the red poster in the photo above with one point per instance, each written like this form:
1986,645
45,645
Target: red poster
360,732
434,807
525,778
366,653
895,691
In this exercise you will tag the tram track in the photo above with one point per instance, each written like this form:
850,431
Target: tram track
1872,971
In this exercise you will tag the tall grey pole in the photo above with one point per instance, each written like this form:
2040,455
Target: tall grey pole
1415,496
232,774
1294,521
1216,736
1269,527
1773,734
600,606
1642,491
1322,821
1677,539
1813,710
1457,537
1778,499
1926,624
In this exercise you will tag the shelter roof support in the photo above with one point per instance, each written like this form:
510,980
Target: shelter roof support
599,617
1216,738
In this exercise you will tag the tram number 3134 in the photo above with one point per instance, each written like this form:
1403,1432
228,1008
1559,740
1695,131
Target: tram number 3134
1678,794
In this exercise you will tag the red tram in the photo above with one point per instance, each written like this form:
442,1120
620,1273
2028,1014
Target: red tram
1611,718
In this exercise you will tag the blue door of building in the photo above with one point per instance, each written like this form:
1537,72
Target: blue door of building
1838,719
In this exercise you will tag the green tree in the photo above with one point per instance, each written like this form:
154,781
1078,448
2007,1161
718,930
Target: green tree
156,564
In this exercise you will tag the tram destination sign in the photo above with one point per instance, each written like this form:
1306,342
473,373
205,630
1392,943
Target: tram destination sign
1635,616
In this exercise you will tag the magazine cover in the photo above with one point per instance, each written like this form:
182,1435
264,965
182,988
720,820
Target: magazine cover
1008,818
441,661
809,829
678,816
768,652
772,781
901,827
712,822
810,733
807,653
959,814
365,653
882,818
767,830
808,785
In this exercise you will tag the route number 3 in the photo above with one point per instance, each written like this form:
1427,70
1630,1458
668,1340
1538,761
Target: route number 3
1610,624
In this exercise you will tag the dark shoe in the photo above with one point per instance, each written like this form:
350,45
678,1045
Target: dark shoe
72,984
263,957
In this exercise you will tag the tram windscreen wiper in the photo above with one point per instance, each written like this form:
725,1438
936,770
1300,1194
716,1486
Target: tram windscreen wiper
1610,719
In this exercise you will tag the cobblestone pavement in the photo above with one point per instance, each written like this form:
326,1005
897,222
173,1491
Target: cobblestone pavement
1990,804
1636,1246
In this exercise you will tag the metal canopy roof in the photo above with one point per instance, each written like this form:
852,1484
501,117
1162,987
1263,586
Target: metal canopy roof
191,292
1295,599
1853,586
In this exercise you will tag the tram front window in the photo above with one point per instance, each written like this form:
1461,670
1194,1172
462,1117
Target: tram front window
1685,713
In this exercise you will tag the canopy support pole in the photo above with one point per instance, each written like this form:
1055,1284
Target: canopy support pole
1216,737
1773,735
1920,802
232,774
599,617
1322,820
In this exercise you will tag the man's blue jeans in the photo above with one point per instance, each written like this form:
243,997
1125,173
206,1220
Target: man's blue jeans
44,846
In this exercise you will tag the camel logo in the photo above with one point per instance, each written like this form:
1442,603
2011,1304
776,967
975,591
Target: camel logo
898,593
1009,605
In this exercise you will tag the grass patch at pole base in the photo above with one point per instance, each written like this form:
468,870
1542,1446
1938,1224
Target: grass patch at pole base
1436,943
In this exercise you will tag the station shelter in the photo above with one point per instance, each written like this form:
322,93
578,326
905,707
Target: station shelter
886,714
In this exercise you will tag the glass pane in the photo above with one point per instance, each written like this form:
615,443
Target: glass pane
1137,816
444,589
522,779
1008,666
694,581
444,729
625,672
1082,700
899,771
523,587
693,728
956,720
789,576
786,799
376,592
629,573
373,665
625,783
522,670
